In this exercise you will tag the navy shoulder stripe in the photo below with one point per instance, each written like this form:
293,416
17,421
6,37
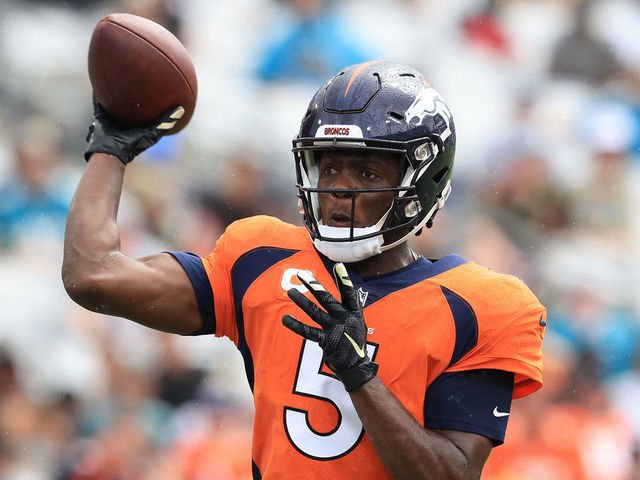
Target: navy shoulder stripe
192,264
466,325
255,471
243,273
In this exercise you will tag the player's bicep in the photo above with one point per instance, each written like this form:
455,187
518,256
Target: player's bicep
155,291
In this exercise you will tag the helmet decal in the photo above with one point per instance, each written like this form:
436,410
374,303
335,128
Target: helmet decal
339,131
357,72
430,103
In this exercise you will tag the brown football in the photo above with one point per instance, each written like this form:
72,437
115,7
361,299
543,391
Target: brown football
139,70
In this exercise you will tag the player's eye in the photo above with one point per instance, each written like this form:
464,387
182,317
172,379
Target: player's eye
369,175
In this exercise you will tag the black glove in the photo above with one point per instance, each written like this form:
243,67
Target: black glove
106,136
343,336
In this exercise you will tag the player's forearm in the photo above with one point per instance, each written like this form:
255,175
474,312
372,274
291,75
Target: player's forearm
408,450
92,233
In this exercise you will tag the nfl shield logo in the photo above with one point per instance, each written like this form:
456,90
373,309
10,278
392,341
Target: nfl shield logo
362,295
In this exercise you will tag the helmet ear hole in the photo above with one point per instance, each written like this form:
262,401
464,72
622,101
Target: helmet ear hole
411,209
406,209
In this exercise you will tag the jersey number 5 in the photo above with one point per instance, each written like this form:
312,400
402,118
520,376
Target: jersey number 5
312,382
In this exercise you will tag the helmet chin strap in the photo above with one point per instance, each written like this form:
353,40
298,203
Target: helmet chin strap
357,250
348,252
354,251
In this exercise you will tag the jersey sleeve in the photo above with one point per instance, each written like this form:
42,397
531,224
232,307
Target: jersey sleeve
509,341
211,283
508,325
212,276
218,266
476,401
192,265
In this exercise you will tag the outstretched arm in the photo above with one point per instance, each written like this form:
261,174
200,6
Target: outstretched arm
154,291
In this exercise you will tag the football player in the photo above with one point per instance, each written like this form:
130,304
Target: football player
365,359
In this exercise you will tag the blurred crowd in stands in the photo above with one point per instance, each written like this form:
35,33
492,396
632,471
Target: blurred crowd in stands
546,98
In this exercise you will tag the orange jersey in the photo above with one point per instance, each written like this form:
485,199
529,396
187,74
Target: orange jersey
426,321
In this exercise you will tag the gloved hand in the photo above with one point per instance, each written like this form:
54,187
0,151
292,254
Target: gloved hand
105,136
343,336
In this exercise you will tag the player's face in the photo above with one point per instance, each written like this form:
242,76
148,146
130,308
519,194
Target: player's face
342,171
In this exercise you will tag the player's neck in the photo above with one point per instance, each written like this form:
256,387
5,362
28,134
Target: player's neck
385,262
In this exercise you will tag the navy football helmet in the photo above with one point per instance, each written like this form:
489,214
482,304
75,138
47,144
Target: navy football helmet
379,106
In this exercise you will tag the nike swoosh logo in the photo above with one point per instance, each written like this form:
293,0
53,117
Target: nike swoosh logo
360,351
496,413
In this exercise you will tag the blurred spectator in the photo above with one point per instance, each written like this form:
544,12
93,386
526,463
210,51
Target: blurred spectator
33,204
217,448
244,192
247,190
635,459
616,21
602,207
581,56
483,29
7,373
164,12
69,3
523,199
624,395
177,382
596,328
568,433
308,42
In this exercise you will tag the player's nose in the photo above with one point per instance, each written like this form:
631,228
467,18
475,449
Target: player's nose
343,185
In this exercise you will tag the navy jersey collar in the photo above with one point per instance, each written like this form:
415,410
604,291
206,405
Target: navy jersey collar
375,287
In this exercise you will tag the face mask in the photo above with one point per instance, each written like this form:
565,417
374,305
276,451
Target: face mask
348,252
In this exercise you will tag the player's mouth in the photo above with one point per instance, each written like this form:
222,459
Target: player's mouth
339,220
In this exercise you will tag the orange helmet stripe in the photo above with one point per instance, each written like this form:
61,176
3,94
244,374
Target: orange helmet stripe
357,72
